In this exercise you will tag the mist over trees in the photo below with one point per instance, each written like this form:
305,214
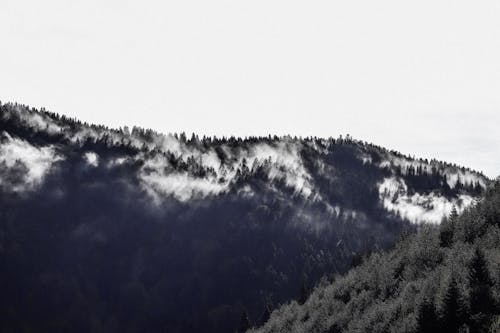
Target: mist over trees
423,285
129,230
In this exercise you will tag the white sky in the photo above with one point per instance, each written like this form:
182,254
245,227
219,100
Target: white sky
422,77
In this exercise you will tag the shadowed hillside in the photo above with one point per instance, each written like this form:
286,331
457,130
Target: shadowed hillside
442,279
129,230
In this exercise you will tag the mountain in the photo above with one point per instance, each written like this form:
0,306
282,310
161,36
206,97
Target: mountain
131,230
441,279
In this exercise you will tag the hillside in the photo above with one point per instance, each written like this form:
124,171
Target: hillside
442,279
131,230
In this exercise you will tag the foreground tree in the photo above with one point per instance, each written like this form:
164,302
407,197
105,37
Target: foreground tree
482,305
447,229
427,319
452,309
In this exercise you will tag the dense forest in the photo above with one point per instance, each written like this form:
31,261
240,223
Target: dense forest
130,230
441,279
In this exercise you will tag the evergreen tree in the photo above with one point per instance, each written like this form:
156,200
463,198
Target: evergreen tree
447,229
453,213
482,304
452,309
427,320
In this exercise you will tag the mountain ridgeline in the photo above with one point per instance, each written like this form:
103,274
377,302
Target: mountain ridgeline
130,230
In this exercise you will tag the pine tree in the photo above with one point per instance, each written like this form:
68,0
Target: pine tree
482,303
452,309
427,319
447,229
453,213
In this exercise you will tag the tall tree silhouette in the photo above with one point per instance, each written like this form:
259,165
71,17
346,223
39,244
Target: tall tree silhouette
482,304
447,229
452,309
427,319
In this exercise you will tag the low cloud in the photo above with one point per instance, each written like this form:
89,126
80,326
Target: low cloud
453,173
180,185
418,208
282,160
29,164
38,121
287,165
91,158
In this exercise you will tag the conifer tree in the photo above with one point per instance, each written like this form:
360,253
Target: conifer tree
482,304
452,309
427,319
447,229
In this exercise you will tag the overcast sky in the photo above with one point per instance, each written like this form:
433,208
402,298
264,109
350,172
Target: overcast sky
422,77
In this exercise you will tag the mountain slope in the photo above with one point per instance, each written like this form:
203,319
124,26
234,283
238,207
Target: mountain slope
444,279
132,230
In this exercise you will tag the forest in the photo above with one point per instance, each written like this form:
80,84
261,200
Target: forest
130,230
441,279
